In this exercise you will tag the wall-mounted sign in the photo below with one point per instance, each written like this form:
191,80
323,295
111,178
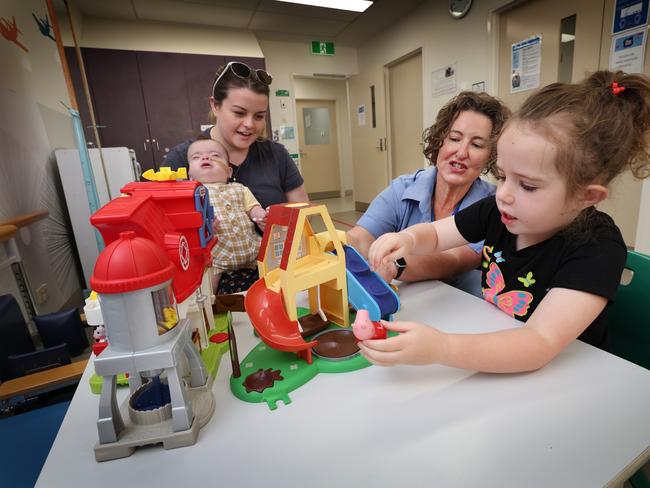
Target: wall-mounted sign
629,14
281,93
322,48
443,80
526,63
628,51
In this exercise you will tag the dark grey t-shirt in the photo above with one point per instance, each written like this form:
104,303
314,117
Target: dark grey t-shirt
268,170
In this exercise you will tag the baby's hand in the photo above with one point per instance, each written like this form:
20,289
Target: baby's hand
388,248
258,215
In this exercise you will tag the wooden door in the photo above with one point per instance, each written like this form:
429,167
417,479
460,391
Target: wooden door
166,100
319,151
116,90
405,116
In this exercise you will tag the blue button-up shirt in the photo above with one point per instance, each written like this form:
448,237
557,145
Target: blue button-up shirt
407,201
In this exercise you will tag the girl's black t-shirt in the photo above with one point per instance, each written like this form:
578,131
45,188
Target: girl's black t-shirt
590,259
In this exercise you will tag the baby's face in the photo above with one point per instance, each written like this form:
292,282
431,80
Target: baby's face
208,162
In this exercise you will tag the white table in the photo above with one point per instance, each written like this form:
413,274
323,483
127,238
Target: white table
583,420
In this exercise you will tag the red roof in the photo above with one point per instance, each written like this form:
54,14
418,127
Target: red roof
131,263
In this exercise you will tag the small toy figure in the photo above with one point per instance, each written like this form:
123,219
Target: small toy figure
99,334
363,328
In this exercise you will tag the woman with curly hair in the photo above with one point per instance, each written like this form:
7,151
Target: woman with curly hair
460,146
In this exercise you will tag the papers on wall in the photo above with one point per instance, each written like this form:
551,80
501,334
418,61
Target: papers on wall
361,115
443,80
526,62
628,51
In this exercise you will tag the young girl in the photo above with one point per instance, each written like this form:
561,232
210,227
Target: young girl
550,258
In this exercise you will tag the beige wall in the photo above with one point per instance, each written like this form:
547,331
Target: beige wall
285,60
163,37
320,89
34,123
443,41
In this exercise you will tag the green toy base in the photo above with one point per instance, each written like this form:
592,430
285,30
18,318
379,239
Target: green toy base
294,372
211,355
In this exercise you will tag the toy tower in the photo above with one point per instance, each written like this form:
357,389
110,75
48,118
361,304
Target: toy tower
159,243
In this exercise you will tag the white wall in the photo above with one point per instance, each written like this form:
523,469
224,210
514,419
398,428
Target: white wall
33,124
321,89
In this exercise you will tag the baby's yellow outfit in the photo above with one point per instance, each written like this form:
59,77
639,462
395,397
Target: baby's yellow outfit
237,241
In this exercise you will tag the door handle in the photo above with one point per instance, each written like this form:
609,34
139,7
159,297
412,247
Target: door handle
144,144
381,144
157,146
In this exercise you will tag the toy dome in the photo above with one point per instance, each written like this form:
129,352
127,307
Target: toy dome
130,263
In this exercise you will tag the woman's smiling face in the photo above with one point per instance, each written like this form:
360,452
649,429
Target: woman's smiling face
241,118
465,150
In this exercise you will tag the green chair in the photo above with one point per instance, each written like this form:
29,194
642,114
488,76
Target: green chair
629,325
629,321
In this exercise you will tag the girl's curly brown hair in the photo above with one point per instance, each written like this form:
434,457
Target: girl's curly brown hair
481,103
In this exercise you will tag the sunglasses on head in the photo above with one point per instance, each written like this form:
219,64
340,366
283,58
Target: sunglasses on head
243,71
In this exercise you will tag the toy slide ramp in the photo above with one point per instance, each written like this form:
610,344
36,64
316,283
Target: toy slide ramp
266,311
366,289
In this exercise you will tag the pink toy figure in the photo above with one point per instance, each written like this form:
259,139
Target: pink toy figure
99,334
363,328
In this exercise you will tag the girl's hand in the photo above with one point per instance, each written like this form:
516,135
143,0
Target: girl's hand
415,344
389,247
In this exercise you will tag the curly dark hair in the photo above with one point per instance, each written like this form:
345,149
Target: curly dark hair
481,103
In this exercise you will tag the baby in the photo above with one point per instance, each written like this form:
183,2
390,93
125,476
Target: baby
235,208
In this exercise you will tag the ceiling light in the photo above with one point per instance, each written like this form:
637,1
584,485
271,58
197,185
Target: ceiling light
353,5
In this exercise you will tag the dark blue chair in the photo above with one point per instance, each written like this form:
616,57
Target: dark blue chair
14,335
62,334
62,327
33,362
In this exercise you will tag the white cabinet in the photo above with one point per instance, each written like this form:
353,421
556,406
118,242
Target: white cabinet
121,168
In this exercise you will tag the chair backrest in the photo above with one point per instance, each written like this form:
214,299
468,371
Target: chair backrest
14,335
33,362
62,327
629,315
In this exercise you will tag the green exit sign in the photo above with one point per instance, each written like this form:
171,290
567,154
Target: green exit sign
322,48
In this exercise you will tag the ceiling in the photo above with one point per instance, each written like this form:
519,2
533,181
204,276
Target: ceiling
267,19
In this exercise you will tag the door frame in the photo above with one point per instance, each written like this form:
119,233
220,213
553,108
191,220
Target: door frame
299,122
387,138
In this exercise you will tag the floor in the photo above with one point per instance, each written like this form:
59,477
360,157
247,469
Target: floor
27,439
341,211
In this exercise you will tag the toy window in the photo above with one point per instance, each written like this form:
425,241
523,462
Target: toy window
164,305
275,247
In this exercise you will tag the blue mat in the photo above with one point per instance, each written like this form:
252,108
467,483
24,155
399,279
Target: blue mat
26,442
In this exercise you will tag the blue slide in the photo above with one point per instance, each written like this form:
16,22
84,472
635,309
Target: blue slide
366,289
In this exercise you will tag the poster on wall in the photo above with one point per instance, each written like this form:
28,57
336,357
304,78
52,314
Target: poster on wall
629,14
443,80
628,51
526,62
361,115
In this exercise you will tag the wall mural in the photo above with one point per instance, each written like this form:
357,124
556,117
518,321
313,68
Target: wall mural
44,26
10,31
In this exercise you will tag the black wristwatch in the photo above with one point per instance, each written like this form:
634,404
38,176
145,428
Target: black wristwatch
400,264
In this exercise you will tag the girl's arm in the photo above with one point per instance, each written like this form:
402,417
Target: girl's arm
560,318
418,239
